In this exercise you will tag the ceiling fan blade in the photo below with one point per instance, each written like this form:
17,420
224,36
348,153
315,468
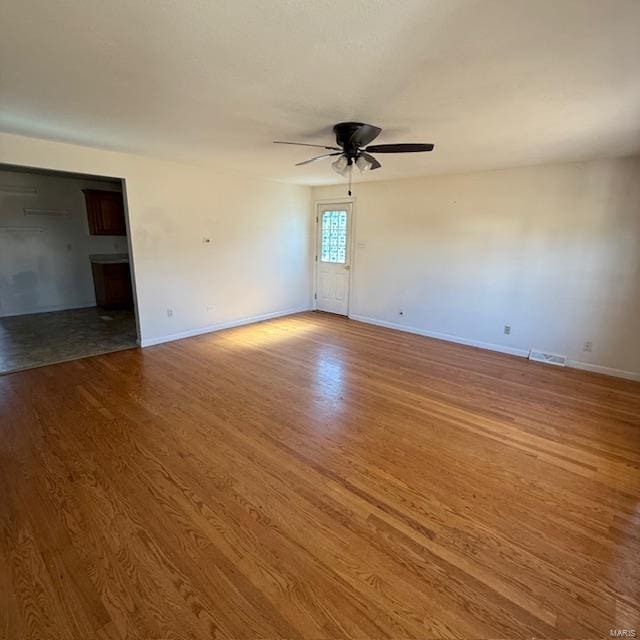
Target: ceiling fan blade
324,155
363,135
374,163
399,148
304,144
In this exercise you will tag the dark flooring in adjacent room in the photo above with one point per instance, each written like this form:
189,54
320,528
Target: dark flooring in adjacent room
316,477
46,338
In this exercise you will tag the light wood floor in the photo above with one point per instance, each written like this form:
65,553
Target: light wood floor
316,477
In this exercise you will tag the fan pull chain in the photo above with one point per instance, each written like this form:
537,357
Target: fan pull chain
350,176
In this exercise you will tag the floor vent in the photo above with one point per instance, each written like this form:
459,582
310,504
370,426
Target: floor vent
548,358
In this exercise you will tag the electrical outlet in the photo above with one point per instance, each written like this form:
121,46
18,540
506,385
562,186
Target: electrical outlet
587,346
169,313
507,329
209,307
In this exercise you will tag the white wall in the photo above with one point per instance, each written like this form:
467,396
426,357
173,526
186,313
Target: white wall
44,259
554,251
256,264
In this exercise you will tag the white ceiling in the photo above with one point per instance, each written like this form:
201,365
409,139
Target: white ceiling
493,83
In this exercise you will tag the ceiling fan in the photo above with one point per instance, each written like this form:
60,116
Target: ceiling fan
353,140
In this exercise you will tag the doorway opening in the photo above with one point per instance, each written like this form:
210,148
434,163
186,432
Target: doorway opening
333,257
66,282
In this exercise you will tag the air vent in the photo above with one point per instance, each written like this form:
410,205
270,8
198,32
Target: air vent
548,358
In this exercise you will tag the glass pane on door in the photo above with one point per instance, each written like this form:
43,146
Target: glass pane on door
334,237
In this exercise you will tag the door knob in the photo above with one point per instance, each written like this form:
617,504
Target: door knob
347,267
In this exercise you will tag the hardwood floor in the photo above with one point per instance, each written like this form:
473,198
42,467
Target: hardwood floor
315,477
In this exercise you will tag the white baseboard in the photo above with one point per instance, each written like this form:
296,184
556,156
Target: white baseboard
607,371
522,353
55,307
149,342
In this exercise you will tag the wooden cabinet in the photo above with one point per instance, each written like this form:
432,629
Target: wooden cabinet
112,283
105,212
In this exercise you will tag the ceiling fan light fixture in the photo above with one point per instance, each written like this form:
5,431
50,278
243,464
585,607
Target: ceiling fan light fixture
340,165
353,147
363,164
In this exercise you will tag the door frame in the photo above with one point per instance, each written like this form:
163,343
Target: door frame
316,239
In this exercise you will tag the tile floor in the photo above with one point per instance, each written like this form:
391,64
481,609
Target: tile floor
45,338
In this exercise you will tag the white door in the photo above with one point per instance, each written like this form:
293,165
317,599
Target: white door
334,259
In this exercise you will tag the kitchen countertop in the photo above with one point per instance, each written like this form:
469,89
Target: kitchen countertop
109,258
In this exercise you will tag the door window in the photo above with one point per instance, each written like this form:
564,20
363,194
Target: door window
334,237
